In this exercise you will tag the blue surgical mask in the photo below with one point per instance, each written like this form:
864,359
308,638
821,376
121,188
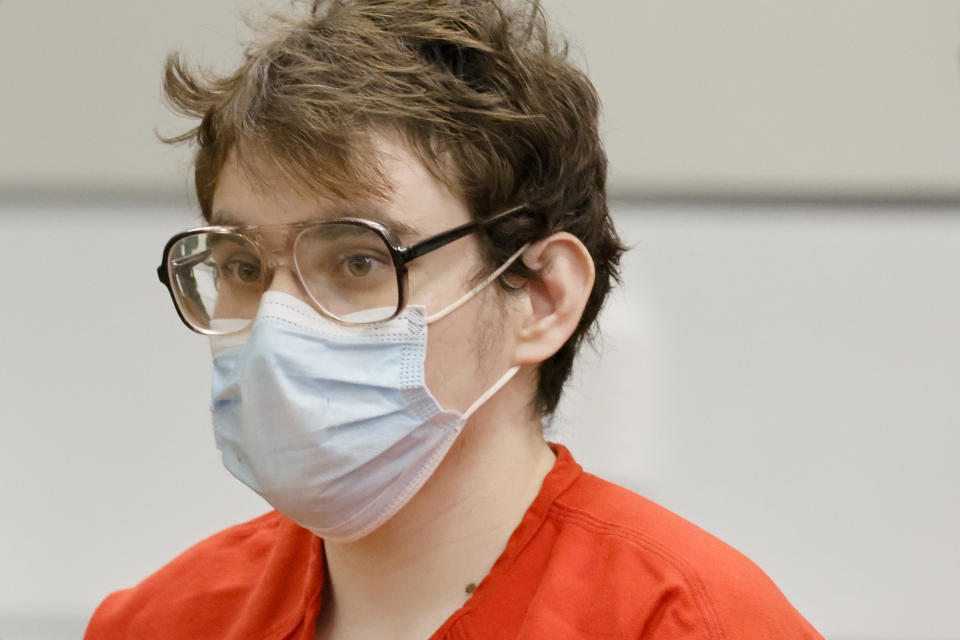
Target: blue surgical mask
332,425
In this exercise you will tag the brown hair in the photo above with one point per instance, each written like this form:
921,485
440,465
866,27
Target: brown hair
477,90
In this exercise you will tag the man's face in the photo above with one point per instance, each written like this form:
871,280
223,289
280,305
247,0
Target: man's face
461,362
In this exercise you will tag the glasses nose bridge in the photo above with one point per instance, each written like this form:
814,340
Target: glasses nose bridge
276,251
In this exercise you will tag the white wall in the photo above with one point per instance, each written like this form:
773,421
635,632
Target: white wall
858,96
785,378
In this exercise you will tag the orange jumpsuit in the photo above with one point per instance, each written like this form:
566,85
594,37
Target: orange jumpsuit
588,560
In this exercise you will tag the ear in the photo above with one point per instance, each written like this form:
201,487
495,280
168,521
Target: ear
552,305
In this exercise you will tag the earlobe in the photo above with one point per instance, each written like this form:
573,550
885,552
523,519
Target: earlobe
554,302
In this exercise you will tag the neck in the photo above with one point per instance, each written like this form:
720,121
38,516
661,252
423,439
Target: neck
413,572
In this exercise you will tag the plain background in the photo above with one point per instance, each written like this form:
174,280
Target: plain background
780,366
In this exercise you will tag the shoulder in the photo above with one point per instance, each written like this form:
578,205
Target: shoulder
690,570
203,591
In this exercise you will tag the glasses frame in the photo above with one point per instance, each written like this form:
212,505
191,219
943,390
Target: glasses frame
399,254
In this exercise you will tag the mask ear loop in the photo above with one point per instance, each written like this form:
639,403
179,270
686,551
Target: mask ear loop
469,294
489,393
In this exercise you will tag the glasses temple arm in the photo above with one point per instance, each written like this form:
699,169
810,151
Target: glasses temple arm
441,240
179,263
445,238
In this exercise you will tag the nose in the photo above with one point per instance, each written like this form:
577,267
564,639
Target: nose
283,279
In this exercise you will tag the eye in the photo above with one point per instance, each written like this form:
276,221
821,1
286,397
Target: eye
358,266
241,270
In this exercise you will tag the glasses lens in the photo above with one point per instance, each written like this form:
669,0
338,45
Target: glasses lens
217,280
349,272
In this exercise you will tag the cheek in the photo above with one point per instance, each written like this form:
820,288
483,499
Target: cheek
441,277
452,360
461,351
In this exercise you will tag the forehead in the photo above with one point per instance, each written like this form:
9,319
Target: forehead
416,204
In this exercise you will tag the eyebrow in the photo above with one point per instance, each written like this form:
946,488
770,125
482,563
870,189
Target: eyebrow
367,211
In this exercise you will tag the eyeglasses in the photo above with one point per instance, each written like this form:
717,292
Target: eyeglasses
353,270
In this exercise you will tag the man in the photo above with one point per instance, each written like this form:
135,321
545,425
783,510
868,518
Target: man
407,242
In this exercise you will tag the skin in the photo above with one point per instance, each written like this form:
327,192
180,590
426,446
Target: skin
404,579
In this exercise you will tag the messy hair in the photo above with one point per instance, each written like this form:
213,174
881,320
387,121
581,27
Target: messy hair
477,89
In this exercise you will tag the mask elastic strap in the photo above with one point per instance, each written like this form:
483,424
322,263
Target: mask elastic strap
490,392
469,294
